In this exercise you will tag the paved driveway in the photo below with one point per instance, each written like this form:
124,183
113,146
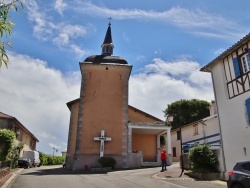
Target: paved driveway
56,176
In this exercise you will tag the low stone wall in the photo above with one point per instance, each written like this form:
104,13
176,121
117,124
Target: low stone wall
204,176
4,168
4,172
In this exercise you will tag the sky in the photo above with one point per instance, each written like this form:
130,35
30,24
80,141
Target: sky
167,42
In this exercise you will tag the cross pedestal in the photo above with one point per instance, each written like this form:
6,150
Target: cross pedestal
102,138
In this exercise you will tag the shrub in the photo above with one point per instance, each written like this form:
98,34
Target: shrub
107,162
14,153
7,138
202,159
50,160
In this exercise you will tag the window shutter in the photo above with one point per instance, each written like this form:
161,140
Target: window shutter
236,67
248,53
248,109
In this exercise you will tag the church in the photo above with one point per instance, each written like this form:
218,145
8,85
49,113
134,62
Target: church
102,123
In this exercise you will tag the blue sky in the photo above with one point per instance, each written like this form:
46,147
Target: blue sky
167,42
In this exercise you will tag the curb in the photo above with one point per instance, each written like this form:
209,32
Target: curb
12,178
172,179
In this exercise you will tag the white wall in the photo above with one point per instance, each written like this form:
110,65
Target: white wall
207,128
233,119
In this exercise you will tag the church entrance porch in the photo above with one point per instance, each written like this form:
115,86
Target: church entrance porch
144,143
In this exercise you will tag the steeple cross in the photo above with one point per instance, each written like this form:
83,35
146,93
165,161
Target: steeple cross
102,138
110,20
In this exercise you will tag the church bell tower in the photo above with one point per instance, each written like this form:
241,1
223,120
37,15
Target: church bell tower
98,125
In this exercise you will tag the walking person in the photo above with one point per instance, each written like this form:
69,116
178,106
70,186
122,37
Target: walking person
163,160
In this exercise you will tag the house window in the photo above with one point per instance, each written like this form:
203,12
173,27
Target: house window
174,151
195,127
178,135
245,62
248,110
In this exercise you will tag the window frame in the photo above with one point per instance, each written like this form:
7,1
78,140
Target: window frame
245,62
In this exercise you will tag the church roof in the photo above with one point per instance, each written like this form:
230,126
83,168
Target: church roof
70,103
97,59
108,37
153,117
107,52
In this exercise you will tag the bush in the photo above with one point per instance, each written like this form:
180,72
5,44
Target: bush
7,138
107,162
50,160
14,153
202,159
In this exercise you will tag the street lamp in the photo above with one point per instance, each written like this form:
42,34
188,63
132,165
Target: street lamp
170,119
54,149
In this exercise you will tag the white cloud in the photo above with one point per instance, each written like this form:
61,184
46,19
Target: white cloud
162,83
61,34
60,6
67,33
54,146
125,37
219,51
194,21
140,58
37,95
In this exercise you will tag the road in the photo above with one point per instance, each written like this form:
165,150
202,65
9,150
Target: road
57,177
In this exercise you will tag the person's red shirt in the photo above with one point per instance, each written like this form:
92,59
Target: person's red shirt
163,155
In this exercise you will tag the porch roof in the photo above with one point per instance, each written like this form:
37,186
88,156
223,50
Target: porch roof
149,128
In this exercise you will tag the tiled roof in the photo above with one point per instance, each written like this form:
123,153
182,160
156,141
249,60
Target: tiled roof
237,45
3,115
157,119
6,116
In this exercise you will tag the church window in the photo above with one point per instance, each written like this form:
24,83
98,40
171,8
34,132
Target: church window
248,110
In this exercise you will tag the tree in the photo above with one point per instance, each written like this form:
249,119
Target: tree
14,153
7,138
6,27
187,111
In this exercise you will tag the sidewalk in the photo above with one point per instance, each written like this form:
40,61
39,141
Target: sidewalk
5,181
173,173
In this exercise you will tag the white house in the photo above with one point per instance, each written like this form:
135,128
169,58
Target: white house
205,130
231,81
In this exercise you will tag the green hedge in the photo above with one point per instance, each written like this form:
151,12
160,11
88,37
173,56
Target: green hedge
7,138
50,159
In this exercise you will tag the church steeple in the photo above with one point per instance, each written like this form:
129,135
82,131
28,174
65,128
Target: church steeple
107,46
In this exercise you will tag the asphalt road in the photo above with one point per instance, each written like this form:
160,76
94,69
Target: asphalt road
57,177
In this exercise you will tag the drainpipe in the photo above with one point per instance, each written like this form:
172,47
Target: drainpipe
204,125
221,137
